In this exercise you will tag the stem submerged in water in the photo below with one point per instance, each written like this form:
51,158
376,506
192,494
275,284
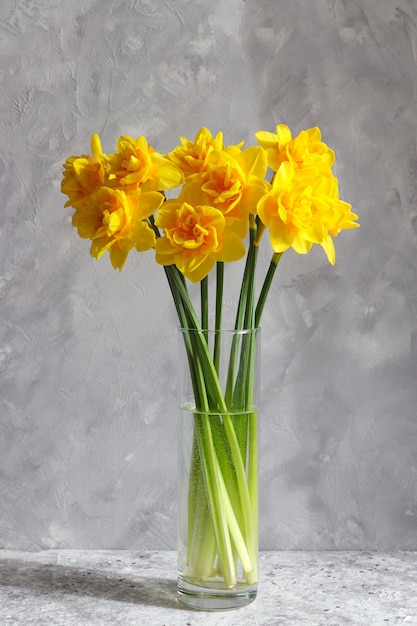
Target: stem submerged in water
230,489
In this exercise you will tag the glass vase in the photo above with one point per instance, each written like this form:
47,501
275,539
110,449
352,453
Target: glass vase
218,468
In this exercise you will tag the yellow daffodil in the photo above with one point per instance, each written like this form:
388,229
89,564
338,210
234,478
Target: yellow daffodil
305,150
114,221
191,156
195,238
302,209
136,164
83,174
232,184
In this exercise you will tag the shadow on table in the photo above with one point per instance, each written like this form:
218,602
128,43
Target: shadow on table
56,579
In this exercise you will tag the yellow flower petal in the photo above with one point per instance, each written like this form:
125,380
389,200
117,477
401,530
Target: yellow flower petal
253,162
301,245
99,246
280,236
233,248
284,136
118,258
167,176
251,195
266,139
142,236
148,203
95,146
196,272
328,246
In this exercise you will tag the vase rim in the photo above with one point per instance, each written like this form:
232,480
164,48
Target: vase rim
237,331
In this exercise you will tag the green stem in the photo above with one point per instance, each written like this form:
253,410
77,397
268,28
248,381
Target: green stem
247,286
239,390
242,544
201,547
250,278
216,498
218,314
253,481
204,303
266,286
244,316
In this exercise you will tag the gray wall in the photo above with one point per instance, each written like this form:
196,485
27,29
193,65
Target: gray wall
88,355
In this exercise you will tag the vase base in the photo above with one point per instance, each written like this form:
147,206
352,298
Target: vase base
204,598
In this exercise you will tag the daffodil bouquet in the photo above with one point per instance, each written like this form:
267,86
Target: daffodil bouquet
222,201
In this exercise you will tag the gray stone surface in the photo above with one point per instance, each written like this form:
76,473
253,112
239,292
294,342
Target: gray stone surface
94,588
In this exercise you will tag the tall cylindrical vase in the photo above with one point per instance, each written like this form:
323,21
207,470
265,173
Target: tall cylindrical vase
218,468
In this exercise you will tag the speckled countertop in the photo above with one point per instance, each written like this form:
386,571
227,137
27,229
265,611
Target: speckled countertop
79,587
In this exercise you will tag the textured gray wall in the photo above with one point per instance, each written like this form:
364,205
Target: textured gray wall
88,356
